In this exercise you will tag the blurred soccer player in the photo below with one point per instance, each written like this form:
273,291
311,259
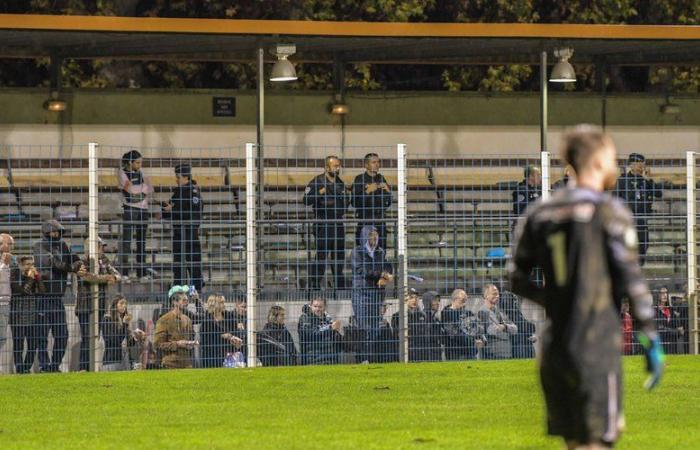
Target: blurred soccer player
585,242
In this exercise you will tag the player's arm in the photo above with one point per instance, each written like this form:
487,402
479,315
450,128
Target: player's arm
623,260
523,263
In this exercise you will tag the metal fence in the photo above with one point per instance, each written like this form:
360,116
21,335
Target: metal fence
210,257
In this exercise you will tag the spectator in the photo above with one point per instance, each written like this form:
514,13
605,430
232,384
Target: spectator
319,335
239,322
54,261
185,211
6,263
371,197
385,347
215,335
275,344
327,195
527,190
665,322
136,190
433,332
497,325
174,336
417,348
569,175
523,341
26,287
115,330
627,329
370,274
679,309
106,275
638,191
461,329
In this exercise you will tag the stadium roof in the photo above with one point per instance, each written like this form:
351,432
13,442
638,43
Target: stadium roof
29,36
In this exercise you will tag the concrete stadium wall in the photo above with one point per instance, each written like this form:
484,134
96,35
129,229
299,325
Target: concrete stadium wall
439,124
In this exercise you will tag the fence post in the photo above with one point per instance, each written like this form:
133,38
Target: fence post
546,181
402,250
92,251
691,249
251,251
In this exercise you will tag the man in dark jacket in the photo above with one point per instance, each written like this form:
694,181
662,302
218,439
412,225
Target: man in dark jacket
460,326
370,274
26,286
185,211
638,191
326,194
319,335
527,190
417,326
371,197
54,261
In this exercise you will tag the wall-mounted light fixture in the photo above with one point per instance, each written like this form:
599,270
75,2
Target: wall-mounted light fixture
283,70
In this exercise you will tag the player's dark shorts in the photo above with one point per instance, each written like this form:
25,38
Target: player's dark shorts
583,406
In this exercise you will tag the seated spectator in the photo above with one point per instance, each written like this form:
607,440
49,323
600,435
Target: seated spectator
239,323
527,190
627,329
523,341
569,176
216,339
679,309
417,346
319,335
174,336
460,327
665,323
115,330
433,332
370,274
26,286
384,348
106,275
497,325
275,344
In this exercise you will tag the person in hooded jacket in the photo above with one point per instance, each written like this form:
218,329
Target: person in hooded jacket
275,343
54,261
370,274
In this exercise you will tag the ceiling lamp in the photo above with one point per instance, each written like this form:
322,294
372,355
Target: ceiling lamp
54,103
283,70
563,71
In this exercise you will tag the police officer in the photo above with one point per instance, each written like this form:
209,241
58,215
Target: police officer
527,190
326,194
638,192
371,197
185,211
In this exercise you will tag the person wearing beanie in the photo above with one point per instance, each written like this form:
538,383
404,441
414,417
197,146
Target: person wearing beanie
54,261
639,191
185,211
136,190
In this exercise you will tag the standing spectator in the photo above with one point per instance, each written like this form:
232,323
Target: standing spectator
370,274
527,190
327,195
497,325
638,191
319,335
215,335
174,336
136,190
433,332
185,211
627,329
371,197
26,287
665,322
460,327
275,344
115,330
6,262
54,261
106,275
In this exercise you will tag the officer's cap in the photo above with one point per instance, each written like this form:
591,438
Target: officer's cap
131,156
183,170
635,157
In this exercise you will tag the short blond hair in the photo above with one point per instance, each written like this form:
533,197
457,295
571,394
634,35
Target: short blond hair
212,302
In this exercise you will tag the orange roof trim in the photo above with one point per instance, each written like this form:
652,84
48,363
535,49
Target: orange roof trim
358,29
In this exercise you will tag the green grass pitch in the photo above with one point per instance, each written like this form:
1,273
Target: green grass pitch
484,405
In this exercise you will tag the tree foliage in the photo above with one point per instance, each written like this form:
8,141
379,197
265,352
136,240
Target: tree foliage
105,73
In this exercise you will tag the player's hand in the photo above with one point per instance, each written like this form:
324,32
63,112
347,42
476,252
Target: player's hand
655,357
